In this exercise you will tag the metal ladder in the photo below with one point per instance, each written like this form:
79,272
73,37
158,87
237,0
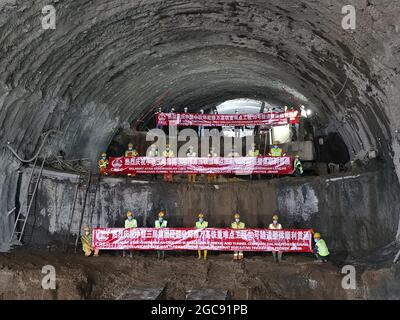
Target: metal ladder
71,213
25,209
89,190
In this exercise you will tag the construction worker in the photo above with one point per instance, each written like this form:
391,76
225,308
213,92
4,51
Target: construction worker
131,152
161,223
321,250
103,164
201,224
212,177
297,167
253,152
87,245
276,226
168,153
130,222
237,224
276,151
191,154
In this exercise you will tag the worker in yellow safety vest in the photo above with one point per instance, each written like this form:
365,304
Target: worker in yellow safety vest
161,223
253,152
87,245
276,226
191,154
103,164
130,222
276,151
201,224
237,224
131,152
168,153
321,250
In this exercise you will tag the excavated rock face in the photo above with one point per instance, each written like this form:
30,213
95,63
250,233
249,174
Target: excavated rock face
110,61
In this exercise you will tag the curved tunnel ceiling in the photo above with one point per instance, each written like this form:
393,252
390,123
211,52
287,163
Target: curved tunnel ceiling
112,61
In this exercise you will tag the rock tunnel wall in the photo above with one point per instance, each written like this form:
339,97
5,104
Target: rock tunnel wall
354,213
109,63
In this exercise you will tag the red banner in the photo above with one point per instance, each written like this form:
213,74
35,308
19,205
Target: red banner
215,165
218,120
298,240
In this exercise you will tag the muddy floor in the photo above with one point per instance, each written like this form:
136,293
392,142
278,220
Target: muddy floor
257,277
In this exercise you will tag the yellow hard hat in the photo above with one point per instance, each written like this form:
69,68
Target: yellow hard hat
276,142
161,214
129,214
317,235
237,216
130,145
297,156
253,144
275,217
201,215
104,154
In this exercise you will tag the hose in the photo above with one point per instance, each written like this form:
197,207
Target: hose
37,153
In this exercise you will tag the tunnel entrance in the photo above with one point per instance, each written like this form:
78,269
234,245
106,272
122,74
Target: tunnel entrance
238,90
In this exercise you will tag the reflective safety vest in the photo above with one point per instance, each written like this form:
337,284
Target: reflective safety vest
168,153
276,152
254,153
131,153
278,226
161,225
297,165
201,225
103,163
322,248
86,242
236,225
130,223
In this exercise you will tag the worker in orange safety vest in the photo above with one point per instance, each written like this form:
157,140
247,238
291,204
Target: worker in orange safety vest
103,164
129,154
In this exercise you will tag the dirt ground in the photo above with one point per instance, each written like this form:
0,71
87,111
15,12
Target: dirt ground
110,276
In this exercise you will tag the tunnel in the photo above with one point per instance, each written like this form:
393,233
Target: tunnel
108,65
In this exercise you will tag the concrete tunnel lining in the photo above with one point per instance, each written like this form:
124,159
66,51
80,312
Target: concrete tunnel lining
108,62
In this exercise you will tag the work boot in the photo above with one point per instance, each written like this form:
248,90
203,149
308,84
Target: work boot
131,254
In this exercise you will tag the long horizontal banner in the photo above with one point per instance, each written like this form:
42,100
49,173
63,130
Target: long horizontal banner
297,240
218,120
215,165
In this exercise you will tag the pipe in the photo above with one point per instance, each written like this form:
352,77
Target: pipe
37,153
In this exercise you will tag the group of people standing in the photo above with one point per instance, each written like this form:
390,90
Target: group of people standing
275,151
320,249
